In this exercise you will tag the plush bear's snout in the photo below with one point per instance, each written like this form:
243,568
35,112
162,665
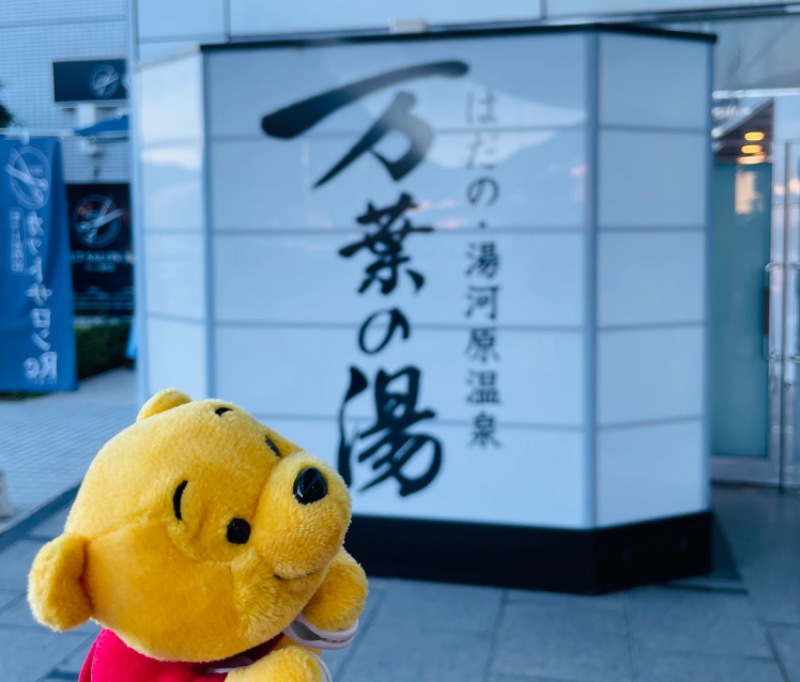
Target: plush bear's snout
310,486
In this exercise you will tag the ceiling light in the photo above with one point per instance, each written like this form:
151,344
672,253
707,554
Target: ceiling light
752,149
754,136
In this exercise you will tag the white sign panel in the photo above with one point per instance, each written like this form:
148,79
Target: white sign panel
398,259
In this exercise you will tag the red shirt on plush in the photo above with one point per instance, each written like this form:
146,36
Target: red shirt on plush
111,660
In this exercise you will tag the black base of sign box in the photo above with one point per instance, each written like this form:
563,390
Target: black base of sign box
577,561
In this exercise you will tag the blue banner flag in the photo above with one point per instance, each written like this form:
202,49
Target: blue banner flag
36,331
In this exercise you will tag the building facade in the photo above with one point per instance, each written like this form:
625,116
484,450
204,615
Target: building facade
691,290
754,337
35,35
650,324
64,75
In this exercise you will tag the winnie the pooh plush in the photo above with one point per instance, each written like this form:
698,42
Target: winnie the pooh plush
208,547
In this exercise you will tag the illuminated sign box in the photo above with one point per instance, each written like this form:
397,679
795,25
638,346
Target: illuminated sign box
89,80
467,269
101,249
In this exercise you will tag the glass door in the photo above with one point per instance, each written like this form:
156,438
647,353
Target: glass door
745,371
755,290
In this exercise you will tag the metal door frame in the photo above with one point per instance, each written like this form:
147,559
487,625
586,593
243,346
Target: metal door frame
790,354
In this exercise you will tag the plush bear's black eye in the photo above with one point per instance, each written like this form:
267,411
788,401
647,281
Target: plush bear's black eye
272,445
310,486
176,500
238,531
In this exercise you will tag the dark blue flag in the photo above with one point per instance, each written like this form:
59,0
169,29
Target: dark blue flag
37,340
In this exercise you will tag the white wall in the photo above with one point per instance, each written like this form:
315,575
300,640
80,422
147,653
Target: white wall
565,8
603,418
284,314
654,150
171,225
754,52
161,22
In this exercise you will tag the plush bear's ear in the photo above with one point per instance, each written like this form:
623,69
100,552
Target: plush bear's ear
56,593
162,401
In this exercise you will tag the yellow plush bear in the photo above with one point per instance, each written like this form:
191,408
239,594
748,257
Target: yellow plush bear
208,547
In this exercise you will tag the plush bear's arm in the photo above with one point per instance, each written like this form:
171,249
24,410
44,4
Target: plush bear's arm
340,599
289,664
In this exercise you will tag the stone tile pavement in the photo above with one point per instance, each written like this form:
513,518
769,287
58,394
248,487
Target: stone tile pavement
730,627
47,443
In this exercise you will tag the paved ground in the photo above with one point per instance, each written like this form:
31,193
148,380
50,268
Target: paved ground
47,443
731,628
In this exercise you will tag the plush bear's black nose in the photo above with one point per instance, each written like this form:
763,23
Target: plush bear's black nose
238,531
310,486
